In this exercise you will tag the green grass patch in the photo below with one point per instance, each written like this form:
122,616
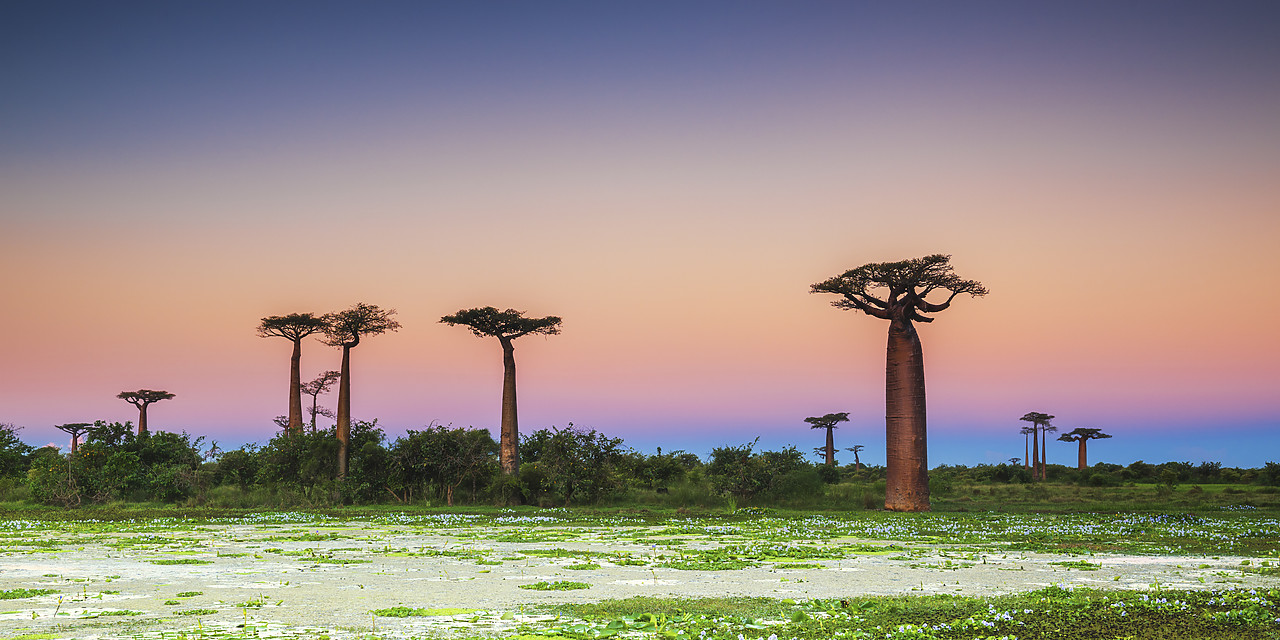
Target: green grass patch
196,612
1081,565
14,594
180,561
409,612
559,585
584,566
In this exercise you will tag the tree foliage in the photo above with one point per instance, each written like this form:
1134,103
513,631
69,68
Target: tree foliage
898,290
506,325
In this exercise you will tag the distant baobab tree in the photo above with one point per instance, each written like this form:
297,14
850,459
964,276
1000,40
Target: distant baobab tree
141,399
1041,424
506,326
293,327
829,423
857,464
75,430
345,329
1082,436
1026,431
1015,461
902,302
314,388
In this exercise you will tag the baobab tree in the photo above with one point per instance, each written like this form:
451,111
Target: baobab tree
857,464
506,326
314,388
905,285
345,329
75,430
143,398
1040,423
829,423
1026,444
293,327
1082,436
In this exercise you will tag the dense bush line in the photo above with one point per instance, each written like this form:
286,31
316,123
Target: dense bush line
442,465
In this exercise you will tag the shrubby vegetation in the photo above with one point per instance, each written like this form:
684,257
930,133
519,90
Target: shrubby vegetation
559,467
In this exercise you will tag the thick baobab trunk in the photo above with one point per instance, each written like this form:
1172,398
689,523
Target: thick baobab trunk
509,441
344,411
1082,463
1026,452
142,419
295,389
831,448
907,484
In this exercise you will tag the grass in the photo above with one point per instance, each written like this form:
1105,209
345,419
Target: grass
559,585
14,594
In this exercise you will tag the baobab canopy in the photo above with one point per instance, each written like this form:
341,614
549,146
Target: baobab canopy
906,284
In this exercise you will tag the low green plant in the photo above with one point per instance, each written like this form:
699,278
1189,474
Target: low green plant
559,585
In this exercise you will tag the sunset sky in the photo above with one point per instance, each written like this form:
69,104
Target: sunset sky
668,177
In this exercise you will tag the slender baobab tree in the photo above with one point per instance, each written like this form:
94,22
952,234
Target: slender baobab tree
293,327
322,384
857,464
897,292
1026,432
345,329
143,398
1082,436
829,423
1040,423
506,326
75,430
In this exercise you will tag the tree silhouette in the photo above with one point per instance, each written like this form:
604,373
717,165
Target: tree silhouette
906,286
314,388
1082,436
829,423
141,399
857,464
1026,445
506,326
74,429
1039,422
345,329
293,327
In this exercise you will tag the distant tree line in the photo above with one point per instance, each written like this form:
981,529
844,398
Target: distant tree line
447,465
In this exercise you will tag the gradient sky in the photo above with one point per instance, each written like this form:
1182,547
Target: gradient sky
669,177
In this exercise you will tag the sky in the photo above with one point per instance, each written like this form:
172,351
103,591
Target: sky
667,177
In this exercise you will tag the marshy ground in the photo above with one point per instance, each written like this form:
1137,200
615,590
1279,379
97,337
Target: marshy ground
399,575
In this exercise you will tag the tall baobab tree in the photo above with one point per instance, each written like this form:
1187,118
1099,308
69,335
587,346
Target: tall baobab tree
1040,422
75,430
143,398
1082,436
322,384
345,329
293,327
857,464
1026,445
897,292
506,326
829,423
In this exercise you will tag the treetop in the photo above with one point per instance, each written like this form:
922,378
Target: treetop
828,421
905,286
1083,434
294,326
504,325
144,396
345,328
1037,418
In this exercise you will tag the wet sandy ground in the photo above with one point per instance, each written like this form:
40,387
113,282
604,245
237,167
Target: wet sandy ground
255,574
